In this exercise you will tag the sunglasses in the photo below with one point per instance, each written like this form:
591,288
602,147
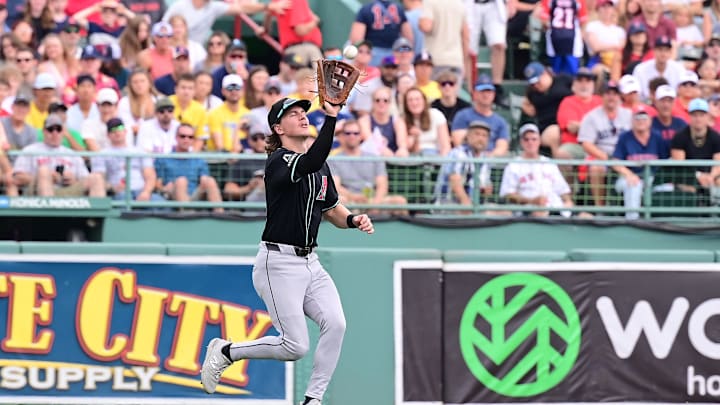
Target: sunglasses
164,110
185,136
236,56
257,137
355,133
117,128
382,100
54,128
692,84
447,84
161,35
23,60
71,29
233,87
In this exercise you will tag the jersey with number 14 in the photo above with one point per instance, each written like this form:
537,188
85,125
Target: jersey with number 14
564,17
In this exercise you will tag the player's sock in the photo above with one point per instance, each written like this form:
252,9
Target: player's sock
226,351
307,400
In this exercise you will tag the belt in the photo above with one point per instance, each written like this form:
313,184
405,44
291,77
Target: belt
299,251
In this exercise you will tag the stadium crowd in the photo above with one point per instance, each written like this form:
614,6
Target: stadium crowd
632,80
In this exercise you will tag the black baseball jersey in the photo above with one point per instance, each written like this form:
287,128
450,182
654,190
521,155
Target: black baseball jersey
295,201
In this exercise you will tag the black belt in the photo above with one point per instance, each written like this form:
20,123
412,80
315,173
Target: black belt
299,251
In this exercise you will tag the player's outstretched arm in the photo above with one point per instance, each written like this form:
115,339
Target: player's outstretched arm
341,217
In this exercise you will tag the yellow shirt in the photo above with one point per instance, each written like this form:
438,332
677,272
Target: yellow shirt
35,117
431,91
195,115
222,120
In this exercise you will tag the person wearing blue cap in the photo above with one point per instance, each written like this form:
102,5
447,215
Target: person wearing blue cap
543,97
236,61
697,141
637,145
482,109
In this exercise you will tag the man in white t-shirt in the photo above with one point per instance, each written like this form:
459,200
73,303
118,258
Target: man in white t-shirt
158,134
531,181
50,175
661,65
94,130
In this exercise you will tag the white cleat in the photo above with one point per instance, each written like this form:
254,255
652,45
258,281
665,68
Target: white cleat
214,364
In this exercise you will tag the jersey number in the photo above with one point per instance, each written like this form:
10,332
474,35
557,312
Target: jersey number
323,189
383,16
563,18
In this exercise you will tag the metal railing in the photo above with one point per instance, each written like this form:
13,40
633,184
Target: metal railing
670,188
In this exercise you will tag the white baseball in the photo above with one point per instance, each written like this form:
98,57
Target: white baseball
350,52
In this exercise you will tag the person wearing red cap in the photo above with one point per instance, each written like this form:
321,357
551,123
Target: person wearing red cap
181,65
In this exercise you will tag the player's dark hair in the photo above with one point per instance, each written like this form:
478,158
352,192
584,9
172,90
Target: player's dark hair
272,142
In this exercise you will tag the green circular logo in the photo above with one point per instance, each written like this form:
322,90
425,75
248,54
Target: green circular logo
543,363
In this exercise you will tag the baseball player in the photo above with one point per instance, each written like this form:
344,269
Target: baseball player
287,274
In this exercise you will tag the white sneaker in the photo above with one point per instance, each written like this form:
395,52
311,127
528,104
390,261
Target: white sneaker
214,364
312,402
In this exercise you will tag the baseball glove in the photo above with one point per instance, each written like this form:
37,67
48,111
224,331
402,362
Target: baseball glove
335,80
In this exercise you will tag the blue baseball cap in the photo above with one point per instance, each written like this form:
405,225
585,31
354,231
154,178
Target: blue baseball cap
533,71
698,104
636,27
484,83
90,52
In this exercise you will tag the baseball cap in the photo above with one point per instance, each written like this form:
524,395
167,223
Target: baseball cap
281,106
56,106
715,36
180,52
273,84
529,127
22,98
714,97
163,103
629,84
636,27
44,81
423,58
610,85
479,124
365,42
107,96
161,27
236,44
230,80
665,91
90,52
115,124
71,26
52,120
484,83
663,41
698,104
295,60
690,53
688,76
533,71
641,110
388,61
585,73
601,3
85,78
402,45
111,52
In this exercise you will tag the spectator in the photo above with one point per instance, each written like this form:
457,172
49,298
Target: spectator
428,133
245,181
39,18
661,65
665,123
708,82
360,102
298,30
70,38
203,91
71,138
423,76
114,168
456,181
413,11
111,24
201,14
404,56
157,135
570,113
482,109
187,110
134,39
94,131
112,65
714,114
531,181
139,103
711,20
687,90
196,52
257,117
185,179
85,107
216,46
158,58
630,95
563,36
688,34
380,22
362,62
289,64
52,175
180,66
490,18
598,134
227,125
4,28
56,61
25,32
148,10
637,48
44,92
18,133
543,97
605,40
657,26
90,64
257,79
446,34
697,141
382,132
6,176
235,62
361,182
637,145
449,103
10,44
27,62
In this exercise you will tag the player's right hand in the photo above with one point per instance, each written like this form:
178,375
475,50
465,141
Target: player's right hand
331,110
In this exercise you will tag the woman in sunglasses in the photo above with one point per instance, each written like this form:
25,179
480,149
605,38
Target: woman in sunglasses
216,47
385,132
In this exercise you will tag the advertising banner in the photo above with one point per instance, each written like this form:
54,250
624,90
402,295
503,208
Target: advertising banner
104,329
573,332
